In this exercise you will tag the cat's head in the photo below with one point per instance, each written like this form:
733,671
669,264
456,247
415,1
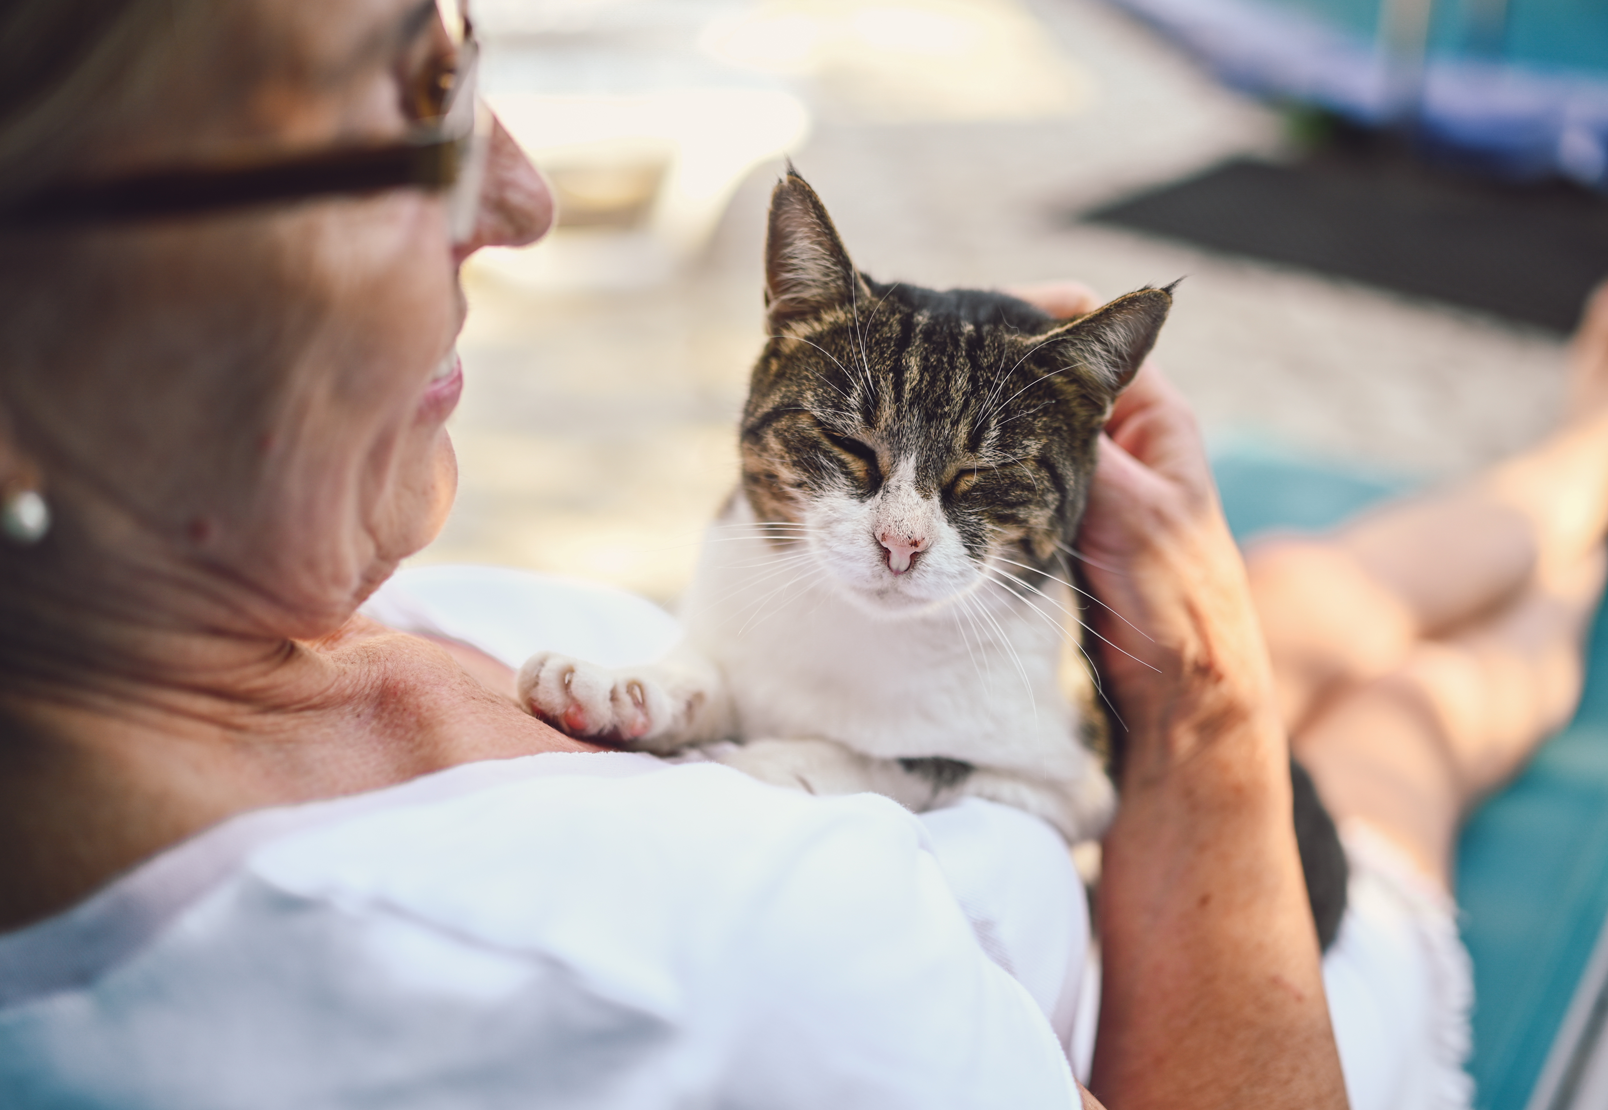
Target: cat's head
921,443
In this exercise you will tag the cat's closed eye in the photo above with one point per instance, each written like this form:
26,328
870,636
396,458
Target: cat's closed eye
862,458
958,486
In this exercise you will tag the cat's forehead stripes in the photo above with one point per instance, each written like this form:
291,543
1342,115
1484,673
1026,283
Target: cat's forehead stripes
980,404
915,383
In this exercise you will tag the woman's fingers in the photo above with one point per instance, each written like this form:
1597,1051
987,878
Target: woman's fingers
1160,557
1148,389
1152,422
1061,299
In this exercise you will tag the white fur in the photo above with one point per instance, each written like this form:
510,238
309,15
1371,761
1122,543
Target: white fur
831,667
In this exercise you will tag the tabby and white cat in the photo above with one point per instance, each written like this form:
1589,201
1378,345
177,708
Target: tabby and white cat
884,604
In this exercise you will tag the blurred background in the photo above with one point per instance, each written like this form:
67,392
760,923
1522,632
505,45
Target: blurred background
1386,215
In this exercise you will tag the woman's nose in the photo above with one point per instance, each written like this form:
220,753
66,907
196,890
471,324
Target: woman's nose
516,203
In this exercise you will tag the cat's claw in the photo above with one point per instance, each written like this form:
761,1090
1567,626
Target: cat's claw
599,703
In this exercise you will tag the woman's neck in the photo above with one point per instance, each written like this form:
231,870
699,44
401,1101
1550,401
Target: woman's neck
100,773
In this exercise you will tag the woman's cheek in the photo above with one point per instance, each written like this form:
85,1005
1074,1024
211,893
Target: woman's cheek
441,487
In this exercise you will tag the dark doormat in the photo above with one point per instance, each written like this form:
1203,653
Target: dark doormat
1529,253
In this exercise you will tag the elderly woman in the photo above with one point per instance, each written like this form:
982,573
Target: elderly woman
266,852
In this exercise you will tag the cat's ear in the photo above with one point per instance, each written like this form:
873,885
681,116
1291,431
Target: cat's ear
1111,342
807,271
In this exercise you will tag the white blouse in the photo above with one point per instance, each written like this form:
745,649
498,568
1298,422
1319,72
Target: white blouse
563,930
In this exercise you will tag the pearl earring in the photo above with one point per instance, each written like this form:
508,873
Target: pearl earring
24,517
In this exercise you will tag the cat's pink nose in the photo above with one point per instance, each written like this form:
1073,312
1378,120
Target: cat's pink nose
902,550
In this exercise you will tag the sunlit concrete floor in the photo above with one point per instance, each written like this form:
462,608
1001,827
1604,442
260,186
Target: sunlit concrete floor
596,434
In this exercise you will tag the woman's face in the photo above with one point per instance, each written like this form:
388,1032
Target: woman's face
262,396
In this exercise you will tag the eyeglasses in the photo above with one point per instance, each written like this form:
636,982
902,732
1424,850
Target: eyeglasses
447,150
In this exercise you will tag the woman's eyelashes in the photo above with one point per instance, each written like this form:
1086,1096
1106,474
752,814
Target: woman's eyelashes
427,72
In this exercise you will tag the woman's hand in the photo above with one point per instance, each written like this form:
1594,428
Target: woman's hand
1181,647
1183,653
1212,992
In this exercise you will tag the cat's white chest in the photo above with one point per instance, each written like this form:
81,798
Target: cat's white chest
973,679
828,697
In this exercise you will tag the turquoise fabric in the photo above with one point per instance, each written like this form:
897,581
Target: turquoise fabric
1533,866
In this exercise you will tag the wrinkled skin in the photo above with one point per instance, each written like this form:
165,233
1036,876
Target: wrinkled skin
236,454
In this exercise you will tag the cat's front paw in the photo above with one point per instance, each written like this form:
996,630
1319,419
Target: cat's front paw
622,707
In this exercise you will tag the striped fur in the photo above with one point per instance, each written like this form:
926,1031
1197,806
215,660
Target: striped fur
885,603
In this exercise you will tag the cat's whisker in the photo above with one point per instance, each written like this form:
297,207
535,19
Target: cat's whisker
1029,412
791,549
1077,589
745,533
1031,384
787,560
822,378
965,640
774,562
698,538
762,614
1025,356
1016,461
756,605
774,528
974,602
780,567
795,582
1081,622
1020,465
1094,670
859,333
1073,615
871,392
817,346
1000,375
966,607
968,610
1058,626
828,354
785,537
882,300
1005,640
816,410
789,545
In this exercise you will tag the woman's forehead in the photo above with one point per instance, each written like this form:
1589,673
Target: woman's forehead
299,72
330,41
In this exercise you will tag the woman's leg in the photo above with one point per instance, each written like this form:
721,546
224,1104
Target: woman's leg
1411,750
1424,650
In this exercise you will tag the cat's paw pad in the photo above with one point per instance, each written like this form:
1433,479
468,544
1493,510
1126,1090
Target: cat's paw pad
585,700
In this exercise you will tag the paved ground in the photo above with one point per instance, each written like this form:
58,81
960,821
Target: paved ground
596,433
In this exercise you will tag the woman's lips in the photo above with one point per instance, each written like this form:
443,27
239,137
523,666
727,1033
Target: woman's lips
445,387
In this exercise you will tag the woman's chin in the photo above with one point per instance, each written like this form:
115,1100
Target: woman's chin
424,504
444,489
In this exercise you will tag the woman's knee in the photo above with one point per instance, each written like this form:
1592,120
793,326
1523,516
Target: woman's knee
1326,620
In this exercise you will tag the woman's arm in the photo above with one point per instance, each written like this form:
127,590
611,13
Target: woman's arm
1212,989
